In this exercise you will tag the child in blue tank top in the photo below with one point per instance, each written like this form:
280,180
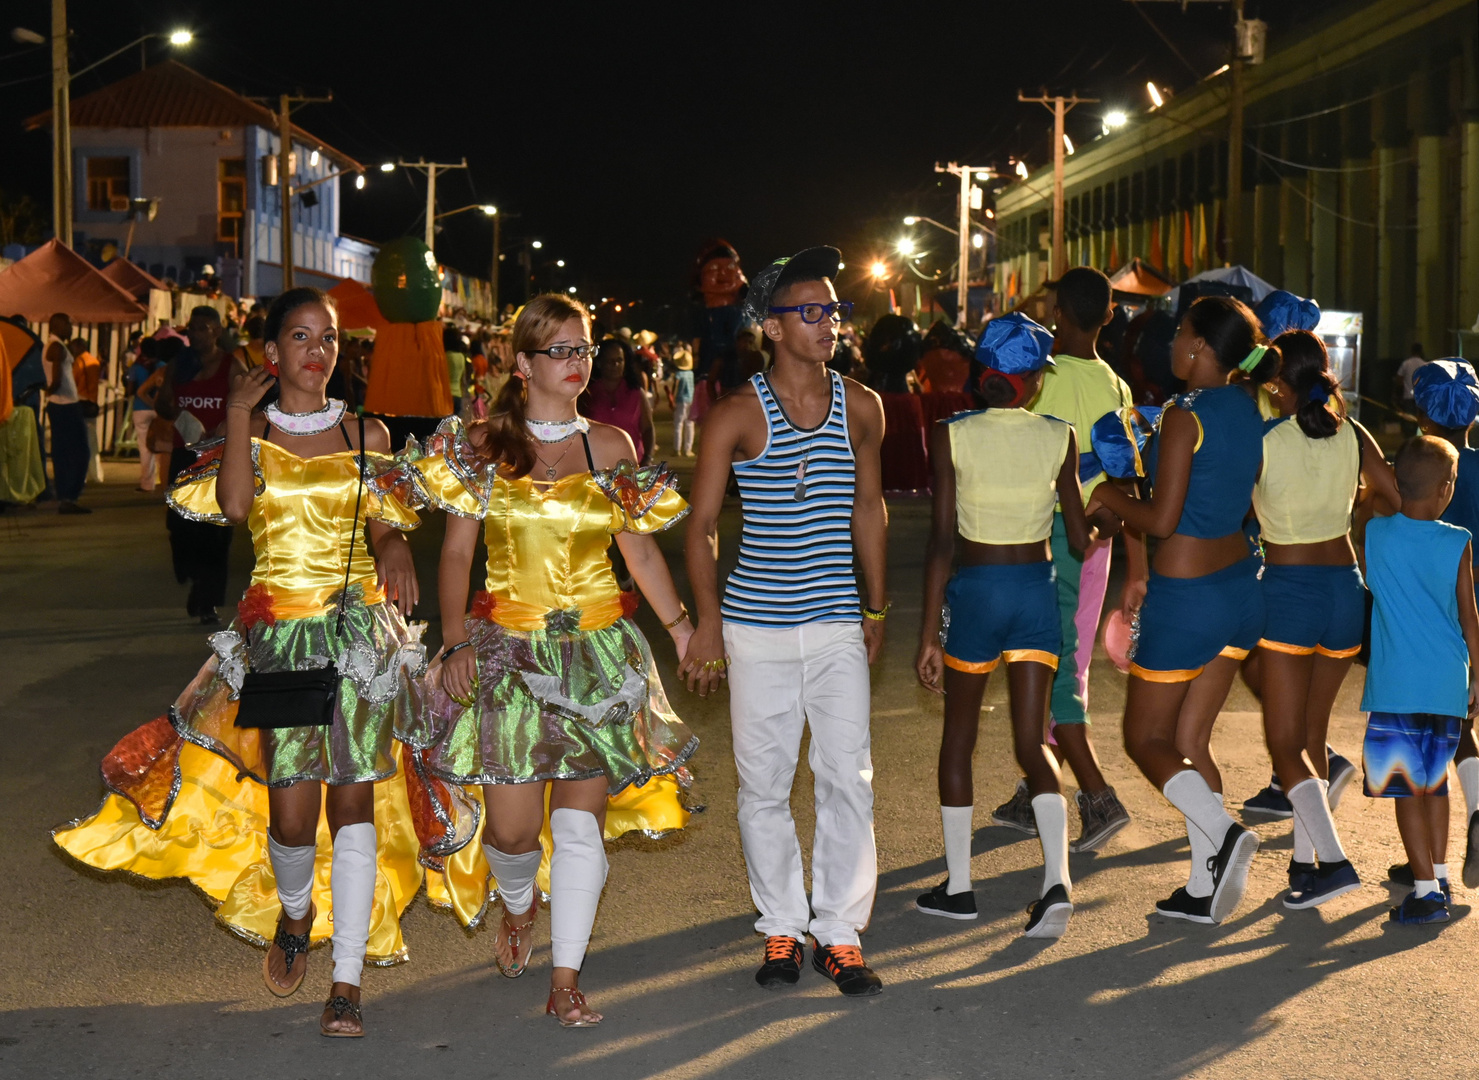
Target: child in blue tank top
1447,397
1424,656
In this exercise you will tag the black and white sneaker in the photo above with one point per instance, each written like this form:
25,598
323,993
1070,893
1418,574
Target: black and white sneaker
1471,853
937,901
1182,905
1048,918
1016,812
1230,870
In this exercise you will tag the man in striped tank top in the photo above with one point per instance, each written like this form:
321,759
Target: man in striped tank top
797,640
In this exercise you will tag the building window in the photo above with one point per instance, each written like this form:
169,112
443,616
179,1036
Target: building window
231,199
107,183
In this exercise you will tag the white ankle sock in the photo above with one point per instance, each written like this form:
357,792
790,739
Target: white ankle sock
514,877
1425,888
1440,870
956,824
292,867
1199,883
352,881
1468,779
1051,811
577,874
1310,800
1189,793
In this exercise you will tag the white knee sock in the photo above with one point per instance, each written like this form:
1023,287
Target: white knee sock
1051,811
1199,882
956,822
1310,800
1189,793
293,869
577,874
1468,779
1304,847
514,875
352,879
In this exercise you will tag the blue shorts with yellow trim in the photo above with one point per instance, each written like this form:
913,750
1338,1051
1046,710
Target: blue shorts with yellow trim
1406,754
997,612
1314,609
1186,623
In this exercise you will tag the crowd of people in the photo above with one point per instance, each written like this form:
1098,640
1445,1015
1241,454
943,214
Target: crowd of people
1255,514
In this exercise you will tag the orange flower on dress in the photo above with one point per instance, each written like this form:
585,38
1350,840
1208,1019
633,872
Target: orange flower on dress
255,607
483,604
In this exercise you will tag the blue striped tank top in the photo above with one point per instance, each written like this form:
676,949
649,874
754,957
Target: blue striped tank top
795,559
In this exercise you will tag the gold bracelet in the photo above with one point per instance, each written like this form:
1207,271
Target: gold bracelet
682,614
876,616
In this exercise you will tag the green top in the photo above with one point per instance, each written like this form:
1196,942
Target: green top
1081,391
456,365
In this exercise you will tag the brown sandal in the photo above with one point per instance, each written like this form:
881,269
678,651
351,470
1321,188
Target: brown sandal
292,946
515,940
582,1006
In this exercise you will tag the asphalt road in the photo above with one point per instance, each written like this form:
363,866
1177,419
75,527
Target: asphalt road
113,977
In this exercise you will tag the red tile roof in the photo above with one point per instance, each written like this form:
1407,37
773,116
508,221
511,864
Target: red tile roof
171,95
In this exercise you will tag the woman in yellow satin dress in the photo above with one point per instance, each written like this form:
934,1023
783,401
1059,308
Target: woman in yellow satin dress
295,472
548,691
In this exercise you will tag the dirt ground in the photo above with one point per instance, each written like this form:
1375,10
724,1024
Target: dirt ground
111,977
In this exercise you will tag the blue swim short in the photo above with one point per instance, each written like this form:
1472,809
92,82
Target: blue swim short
1407,754
993,612
1186,623
1314,609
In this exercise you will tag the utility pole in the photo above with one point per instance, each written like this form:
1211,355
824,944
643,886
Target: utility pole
61,127
431,168
1249,36
1060,106
493,274
284,176
963,237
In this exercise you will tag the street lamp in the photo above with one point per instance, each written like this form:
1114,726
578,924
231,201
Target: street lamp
1156,101
537,245
1022,169
879,270
387,166
905,245
1116,118
910,220
571,290
181,37
978,241
560,263
359,182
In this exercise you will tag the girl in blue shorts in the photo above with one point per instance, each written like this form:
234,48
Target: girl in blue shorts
1203,608
998,473
1314,460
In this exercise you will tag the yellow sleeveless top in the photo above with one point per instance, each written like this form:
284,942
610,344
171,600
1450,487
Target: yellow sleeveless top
1307,488
300,520
1006,474
548,567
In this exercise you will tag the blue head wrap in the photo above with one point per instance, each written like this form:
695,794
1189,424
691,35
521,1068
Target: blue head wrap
1448,392
1118,438
1014,345
1280,311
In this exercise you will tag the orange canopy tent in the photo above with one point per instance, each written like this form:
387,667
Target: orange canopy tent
54,279
357,309
132,279
1140,278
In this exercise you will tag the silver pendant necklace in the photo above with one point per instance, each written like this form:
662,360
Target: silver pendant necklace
549,470
309,423
553,431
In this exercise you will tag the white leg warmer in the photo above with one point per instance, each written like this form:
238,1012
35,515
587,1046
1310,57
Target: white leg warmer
1304,847
352,880
292,867
515,877
577,874
1189,793
956,822
1468,779
1311,805
1051,811
1200,882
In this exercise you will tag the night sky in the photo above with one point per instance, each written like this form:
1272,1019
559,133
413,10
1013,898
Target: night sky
626,134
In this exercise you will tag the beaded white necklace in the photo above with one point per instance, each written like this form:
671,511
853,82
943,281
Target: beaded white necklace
553,431
309,423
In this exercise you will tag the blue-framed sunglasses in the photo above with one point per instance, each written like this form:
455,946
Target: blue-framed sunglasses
815,313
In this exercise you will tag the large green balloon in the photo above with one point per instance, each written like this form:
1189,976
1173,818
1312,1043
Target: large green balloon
407,286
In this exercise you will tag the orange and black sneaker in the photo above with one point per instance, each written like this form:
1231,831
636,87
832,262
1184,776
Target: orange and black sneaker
843,964
782,966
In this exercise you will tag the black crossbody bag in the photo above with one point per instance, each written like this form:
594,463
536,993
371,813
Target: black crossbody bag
289,699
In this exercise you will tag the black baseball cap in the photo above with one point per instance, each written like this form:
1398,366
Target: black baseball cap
808,265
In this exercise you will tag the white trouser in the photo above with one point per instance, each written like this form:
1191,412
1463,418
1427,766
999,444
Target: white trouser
682,428
780,681
142,419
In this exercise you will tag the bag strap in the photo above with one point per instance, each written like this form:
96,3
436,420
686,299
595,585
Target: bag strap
359,465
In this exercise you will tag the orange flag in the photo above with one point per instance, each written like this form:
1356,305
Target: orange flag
1204,256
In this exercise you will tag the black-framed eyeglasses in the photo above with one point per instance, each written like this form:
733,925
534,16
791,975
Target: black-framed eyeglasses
841,311
564,352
